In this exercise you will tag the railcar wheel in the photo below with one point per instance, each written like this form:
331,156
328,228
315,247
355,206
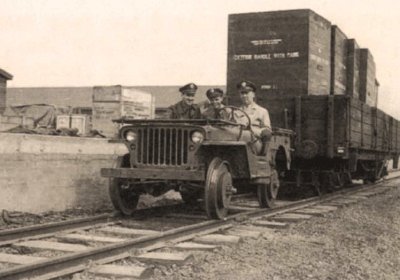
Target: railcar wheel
267,193
218,189
327,181
122,197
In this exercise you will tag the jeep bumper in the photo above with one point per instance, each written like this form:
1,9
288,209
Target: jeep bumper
158,174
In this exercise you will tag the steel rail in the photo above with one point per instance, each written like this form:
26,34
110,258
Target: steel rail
9,236
75,262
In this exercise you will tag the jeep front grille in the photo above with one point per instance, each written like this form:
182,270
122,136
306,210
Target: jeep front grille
162,146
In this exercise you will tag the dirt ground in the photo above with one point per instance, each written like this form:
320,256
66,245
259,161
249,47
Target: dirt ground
15,219
360,241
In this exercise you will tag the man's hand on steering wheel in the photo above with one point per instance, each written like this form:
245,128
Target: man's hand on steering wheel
231,114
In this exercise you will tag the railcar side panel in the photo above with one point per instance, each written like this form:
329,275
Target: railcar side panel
352,125
367,128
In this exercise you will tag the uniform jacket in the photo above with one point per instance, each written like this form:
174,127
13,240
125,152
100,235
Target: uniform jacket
259,117
212,113
183,111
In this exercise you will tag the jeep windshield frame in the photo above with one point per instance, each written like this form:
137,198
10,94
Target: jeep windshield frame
176,121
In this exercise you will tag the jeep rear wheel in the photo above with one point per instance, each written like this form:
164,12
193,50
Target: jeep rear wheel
123,198
268,192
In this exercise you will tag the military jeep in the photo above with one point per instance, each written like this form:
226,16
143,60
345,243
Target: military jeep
202,159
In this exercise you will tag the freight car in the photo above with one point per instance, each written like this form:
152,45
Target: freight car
316,82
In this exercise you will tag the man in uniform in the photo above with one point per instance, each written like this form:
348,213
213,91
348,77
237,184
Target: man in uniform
186,109
213,111
259,116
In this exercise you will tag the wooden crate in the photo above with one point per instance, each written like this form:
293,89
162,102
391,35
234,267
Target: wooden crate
339,51
114,102
103,114
9,122
82,123
353,69
283,52
368,87
63,121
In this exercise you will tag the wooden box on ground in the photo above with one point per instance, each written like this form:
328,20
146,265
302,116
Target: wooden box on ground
82,123
9,122
282,52
114,102
63,121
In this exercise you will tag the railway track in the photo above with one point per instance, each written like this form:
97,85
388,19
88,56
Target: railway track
59,249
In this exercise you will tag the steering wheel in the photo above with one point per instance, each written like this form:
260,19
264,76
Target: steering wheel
231,115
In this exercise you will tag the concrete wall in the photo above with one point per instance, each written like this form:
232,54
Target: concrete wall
42,173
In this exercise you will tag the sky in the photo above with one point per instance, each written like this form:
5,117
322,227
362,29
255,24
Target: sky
166,42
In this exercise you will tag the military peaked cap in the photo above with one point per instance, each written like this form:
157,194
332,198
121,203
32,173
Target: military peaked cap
189,89
246,86
214,92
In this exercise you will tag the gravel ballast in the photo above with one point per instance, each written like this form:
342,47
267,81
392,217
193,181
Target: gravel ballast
359,241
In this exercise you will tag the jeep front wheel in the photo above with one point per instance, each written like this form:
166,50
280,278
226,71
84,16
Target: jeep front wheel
123,198
218,189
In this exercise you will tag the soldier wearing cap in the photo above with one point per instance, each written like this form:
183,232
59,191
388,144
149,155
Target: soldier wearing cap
186,109
259,116
213,111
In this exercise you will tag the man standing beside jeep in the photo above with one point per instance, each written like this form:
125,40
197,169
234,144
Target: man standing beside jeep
186,109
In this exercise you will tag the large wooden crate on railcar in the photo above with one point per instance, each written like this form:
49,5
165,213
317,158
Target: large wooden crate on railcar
283,52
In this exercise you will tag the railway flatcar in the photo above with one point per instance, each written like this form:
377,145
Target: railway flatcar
320,84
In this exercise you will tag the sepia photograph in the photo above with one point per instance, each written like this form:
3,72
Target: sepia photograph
199,139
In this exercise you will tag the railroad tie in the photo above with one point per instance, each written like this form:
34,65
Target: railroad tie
311,211
193,246
19,259
270,224
341,202
357,196
165,258
255,228
186,216
218,239
50,245
89,238
132,271
325,208
128,231
244,233
247,204
291,217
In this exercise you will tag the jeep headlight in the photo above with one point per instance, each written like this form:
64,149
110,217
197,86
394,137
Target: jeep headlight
130,136
197,137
